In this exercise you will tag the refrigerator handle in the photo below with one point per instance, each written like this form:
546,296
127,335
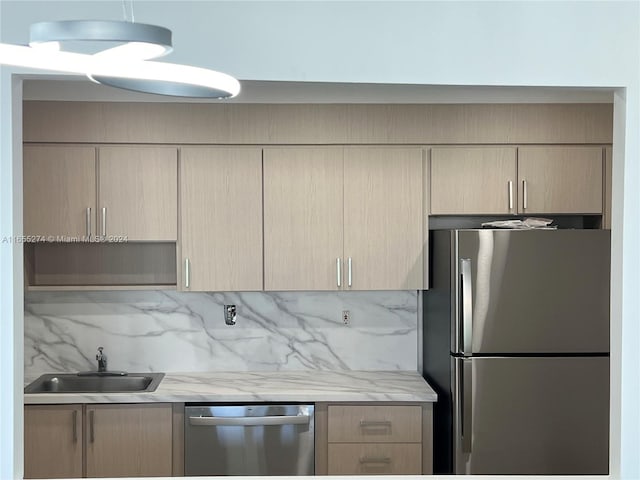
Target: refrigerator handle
466,300
466,404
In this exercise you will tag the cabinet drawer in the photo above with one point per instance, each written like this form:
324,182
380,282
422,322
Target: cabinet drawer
373,423
375,459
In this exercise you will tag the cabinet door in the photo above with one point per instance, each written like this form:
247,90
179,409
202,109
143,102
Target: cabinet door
473,180
221,218
560,180
59,190
303,218
383,218
53,441
129,440
138,193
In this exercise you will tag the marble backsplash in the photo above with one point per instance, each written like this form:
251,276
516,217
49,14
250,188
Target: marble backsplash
181,332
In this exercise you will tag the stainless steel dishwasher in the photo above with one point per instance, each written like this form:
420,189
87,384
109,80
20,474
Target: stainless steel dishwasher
249,440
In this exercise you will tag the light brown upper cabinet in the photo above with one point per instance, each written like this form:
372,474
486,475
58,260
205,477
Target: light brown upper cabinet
138,193
560,179
136,196
343,218
526,180
303,218
473,180
53,440
221,218
383,229
129,440
59,191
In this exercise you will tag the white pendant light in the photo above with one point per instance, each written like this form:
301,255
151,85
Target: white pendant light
124,66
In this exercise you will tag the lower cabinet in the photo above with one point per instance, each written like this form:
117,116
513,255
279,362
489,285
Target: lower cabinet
119,440
372,439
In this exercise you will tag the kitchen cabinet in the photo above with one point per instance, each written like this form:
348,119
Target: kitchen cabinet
59,191
370,439
559,179
129,440
53,440
473,180
119,440
343,218
526,180
138,193
221,219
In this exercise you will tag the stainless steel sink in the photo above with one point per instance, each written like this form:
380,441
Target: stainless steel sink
74,383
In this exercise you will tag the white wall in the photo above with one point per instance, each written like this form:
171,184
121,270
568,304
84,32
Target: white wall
563,43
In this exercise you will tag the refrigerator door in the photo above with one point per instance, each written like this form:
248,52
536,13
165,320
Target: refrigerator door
531,415
541,291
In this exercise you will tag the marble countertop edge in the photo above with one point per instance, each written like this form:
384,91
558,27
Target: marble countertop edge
280,386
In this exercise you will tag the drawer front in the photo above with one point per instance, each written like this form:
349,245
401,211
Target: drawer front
374,423
375,459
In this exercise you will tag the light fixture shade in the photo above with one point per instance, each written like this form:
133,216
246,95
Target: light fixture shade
43,33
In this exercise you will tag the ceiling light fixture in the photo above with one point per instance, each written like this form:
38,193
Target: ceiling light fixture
124,66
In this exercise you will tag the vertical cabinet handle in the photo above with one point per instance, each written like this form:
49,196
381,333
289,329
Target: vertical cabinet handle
91,426
89,223
104,221
75,425
524,195
349,282
510,195
187,273
338,272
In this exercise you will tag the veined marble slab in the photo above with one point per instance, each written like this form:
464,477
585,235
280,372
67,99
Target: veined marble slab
164,331
289,386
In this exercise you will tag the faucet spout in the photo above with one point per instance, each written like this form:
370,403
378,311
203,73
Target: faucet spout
102,360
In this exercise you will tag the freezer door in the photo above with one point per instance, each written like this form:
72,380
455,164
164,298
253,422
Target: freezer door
531,415
542,291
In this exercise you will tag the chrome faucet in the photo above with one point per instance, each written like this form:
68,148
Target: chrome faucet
102,360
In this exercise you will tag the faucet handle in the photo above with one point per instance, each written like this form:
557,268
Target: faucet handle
100,355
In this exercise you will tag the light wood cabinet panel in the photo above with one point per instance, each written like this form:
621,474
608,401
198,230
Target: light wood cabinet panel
303,217
608,192
53,441
374,423
375,459
383,218
221,218
473,180
59,187
129,440
138,190
557,179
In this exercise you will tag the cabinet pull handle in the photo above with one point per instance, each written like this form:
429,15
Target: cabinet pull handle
74,416
339,273
91,426
375,460
510,195
349,273
375,424
88,223
187,273
104,221
524,195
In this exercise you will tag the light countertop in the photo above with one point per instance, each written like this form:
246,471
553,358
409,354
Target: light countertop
281,386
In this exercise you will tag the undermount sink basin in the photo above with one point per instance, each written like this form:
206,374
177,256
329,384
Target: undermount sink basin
74,383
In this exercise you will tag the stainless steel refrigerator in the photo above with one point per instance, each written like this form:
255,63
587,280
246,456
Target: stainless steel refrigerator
516,344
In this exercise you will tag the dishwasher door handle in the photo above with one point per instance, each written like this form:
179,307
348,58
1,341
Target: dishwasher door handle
249,421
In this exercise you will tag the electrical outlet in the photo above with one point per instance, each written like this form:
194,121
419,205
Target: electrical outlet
346,317
230,314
